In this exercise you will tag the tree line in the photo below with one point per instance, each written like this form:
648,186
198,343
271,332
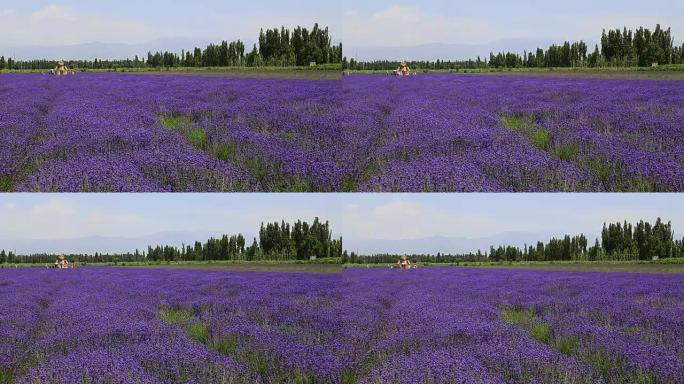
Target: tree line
276,242
619,48
303,241
276,47
618,242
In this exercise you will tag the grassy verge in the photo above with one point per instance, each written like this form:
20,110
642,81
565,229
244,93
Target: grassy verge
662,68
674,265
324,265
330,72
320,67
673,72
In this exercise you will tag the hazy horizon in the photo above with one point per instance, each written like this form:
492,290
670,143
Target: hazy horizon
383,29
368,223
29,28
371,29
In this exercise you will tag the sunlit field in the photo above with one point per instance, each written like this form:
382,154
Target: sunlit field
437,132
366,325
447,132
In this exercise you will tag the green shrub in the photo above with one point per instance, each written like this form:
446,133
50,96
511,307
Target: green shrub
541,332
198,138
198,332
518,316
567,345
541,139
176,315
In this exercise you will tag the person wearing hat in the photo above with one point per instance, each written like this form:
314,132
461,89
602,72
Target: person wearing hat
62,262
404,69
404,262
61,68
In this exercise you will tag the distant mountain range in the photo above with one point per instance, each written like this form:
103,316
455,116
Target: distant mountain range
101,51
432,52
425,245
441,244
103,244
435,244
429,52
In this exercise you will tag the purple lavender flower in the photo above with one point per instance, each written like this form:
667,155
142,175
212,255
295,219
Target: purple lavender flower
437,325
122,132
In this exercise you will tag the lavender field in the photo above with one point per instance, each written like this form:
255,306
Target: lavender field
439,132
108,132
432,325
446,132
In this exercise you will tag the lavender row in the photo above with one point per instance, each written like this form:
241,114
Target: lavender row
437,325
119,132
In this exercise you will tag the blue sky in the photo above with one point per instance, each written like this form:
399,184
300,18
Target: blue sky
58,22
355,216
378,22
400,23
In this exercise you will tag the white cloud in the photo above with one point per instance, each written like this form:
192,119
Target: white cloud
398,208
399,14
53,207
60,218
407,218
409,25
53,12
352,206
62,25
8,206
401,25
58,24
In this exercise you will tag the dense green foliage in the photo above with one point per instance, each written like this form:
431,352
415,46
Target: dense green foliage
619,48
640,48
303,241
276,48
277,241
619,242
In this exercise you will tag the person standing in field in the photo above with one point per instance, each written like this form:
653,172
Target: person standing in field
404,262
61,68
62,262
404,69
